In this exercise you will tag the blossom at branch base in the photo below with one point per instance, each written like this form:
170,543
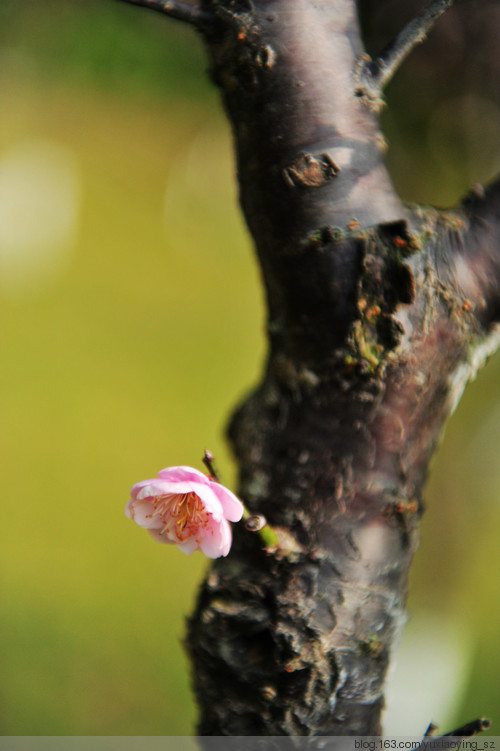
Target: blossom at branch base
184,507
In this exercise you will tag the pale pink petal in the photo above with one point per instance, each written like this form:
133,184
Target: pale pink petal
156,487
147,488
183,474
231,505
157,535
188,547
139,486
142,513
217,541
210,500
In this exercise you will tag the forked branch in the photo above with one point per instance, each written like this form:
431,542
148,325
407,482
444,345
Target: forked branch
178,9
374,75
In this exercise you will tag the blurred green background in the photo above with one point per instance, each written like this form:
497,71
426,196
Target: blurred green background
132,322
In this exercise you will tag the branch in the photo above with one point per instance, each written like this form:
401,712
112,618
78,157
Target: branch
472,728
374,75
466,731
178,9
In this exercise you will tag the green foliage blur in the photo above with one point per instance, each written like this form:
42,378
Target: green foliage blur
132,322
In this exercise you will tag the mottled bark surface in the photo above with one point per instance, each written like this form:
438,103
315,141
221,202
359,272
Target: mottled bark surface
378,316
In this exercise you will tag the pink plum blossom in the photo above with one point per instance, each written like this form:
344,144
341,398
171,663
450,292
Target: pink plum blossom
186,508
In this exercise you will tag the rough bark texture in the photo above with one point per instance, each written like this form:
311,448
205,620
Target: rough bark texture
378,315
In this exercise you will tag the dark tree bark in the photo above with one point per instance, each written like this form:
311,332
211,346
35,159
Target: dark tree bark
378,315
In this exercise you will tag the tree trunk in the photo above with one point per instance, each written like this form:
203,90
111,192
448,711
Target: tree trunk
378,314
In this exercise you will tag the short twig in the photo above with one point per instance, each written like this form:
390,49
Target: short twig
178,9
472,728
466,731
373,75
431,730
209,462
253,522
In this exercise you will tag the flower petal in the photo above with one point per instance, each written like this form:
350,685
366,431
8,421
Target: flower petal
209,499
136,490
183,474
159,536
142,513
217,541
155,487
232,506
188,547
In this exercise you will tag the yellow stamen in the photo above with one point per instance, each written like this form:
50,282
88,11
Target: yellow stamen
181,515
